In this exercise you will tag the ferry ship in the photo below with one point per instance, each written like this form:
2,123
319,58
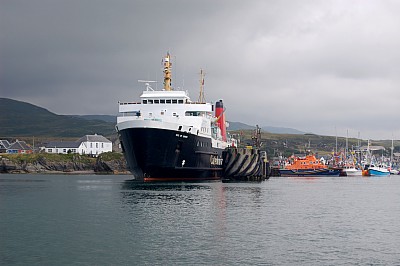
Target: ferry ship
308,166
168,137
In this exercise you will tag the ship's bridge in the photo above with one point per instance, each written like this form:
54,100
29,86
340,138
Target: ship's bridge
176,101
169,110
181,96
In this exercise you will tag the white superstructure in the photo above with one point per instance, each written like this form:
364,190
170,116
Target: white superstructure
171,110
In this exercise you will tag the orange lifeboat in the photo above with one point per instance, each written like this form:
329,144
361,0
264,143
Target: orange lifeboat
306,163
308,166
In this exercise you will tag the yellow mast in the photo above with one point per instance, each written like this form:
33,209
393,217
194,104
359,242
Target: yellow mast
201,95
167,72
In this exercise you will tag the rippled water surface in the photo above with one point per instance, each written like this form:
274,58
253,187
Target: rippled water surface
109,220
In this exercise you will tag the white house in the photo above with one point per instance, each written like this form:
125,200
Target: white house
62,147
89,144
94,144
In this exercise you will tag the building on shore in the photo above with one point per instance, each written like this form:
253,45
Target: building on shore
17,147
4,144
88,144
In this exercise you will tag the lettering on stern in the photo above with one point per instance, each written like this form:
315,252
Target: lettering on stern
215,160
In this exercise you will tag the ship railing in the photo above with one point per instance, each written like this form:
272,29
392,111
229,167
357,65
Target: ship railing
132,113
127,103
153,119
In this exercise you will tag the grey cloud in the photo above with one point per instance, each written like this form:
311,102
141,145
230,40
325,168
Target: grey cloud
271,61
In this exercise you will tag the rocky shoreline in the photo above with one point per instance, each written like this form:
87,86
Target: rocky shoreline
72,165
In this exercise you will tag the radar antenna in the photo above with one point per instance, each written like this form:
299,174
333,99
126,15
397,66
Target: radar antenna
201,95
147,83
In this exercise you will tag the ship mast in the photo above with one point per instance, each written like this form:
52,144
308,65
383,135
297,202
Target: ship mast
167,72
201,95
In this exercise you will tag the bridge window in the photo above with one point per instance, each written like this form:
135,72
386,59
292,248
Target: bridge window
174,101
144,101
180,101
168,101
162,101
156,101
192,113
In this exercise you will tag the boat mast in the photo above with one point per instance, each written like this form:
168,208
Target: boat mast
369,156
347,147
391,153
201,95
257,137
167,72
336,141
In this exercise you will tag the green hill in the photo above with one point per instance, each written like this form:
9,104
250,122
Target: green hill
106,118
287,144
24,119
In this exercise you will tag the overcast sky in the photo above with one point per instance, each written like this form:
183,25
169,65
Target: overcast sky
325,67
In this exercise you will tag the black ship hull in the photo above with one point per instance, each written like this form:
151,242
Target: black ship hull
165,155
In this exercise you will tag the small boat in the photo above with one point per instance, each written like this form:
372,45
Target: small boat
391,169
394,171
350,168
352,171
308,166
372,170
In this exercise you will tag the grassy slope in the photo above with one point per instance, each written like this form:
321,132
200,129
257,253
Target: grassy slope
24,119
287,144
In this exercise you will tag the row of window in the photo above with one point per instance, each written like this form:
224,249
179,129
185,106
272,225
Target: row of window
69,151
193,113
97,145
203,144
188,113
203,129
64,150
163,101
72,150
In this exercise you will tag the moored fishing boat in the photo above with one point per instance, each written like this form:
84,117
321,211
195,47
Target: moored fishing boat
168,137
372,170
352,171
308,166
394,171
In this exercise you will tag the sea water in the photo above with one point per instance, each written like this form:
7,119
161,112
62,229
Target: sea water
110,220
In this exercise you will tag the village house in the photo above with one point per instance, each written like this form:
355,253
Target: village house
89,144
15,148
62,147
4,144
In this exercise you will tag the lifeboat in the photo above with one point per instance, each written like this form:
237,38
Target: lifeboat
308,166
